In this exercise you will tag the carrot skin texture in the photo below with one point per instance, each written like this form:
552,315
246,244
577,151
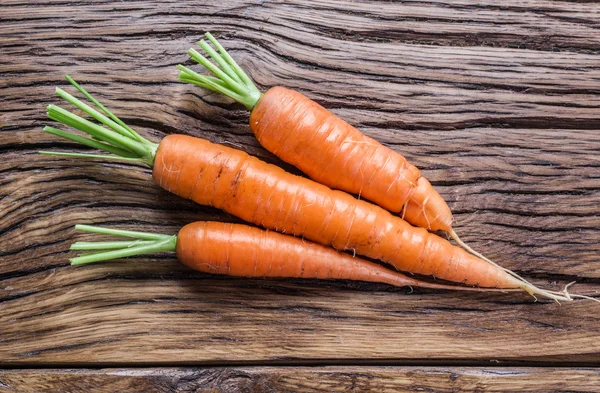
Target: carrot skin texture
243,251
266,195
333,152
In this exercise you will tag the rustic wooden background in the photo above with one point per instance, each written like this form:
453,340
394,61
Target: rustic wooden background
498,102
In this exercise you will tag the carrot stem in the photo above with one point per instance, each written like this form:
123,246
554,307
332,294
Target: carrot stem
90,142
94,113
62,115
120,232
222,62
209,82
232,80
90,156
112,135
217,71
169,244
103,108
109,245
230,60
145,243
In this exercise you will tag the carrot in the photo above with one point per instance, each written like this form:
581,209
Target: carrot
266,195
325,147
244,251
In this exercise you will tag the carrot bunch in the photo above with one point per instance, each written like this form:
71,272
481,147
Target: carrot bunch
329,150
267,196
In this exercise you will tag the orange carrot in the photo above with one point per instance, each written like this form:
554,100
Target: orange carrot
244,251
266,195
325,147
332,152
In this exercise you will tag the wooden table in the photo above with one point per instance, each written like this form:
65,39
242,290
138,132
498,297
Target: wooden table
496,101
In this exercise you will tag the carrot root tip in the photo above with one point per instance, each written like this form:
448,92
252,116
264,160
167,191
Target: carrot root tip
528,287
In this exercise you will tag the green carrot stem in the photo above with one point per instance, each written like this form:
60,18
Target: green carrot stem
212,79
103,108
120,232
89,142
168,244
145,243
92,112
113,136
59,114
245,78
208,82
194,76
91,156
234,81
109,245
235,86
222,62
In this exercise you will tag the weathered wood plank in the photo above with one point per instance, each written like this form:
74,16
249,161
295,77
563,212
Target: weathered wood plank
503,125
545,25
303,379
155,311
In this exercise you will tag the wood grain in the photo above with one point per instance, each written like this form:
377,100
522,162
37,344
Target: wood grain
497,102
303,379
